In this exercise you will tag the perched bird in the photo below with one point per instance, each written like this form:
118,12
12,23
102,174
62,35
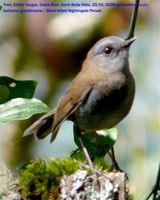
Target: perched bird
99,97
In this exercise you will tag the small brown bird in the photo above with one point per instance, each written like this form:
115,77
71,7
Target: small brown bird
99,97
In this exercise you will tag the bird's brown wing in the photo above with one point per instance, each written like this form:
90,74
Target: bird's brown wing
78,91
67,106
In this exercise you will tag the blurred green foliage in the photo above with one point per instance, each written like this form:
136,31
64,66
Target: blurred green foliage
98,143
20,109
11,89
16,102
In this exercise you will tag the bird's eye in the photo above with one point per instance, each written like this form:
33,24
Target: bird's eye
108,50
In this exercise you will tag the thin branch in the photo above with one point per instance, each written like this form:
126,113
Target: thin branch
133,20
156,187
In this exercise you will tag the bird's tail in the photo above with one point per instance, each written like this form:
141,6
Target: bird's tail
42,127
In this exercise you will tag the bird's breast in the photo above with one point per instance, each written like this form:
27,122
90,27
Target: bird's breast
104,109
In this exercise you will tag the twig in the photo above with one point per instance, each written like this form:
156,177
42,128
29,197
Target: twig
156,187
133,20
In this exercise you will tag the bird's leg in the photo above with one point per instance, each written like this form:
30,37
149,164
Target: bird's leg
115,164
113,158
84,149
111,154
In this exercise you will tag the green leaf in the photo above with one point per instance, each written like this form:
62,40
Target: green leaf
108,136
11,89
20,109
97,143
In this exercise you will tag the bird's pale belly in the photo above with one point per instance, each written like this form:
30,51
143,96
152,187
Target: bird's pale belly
104,112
